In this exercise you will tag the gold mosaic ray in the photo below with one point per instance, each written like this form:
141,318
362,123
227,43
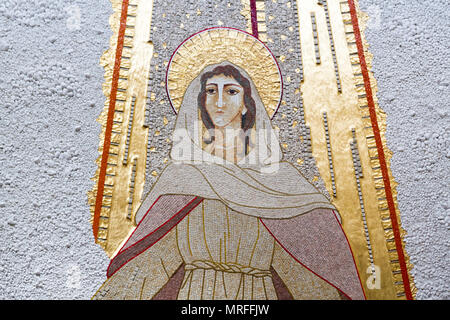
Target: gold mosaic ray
344,113
114,221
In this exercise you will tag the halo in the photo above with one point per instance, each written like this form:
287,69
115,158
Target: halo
215,45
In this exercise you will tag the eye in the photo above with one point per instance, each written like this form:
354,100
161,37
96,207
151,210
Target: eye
232,91
210,90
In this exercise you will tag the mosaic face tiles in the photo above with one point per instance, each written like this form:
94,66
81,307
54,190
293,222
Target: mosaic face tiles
322,119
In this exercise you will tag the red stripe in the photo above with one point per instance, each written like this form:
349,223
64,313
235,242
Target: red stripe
254,18
381,156
109,121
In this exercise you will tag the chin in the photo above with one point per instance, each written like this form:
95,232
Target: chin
219,122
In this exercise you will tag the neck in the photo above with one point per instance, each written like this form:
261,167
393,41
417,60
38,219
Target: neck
229,144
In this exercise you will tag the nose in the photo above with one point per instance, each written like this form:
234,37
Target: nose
220,98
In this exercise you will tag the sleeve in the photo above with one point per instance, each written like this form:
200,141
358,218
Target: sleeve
144,276
301,283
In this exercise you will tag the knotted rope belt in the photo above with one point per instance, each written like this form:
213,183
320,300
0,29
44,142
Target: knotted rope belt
226,267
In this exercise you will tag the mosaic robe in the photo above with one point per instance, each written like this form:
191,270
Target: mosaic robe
213,252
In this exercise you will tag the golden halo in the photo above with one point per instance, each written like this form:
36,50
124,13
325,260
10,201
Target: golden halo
216,45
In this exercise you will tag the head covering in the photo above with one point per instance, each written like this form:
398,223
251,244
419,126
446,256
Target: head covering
188,136
260,184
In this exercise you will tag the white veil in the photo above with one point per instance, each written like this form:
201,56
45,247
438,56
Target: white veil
260,184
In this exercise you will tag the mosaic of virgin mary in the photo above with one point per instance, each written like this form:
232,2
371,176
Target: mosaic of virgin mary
228,218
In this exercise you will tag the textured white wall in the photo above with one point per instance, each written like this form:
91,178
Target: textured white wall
409,41
51,95
50,98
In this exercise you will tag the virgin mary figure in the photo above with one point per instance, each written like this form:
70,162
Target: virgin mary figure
228,218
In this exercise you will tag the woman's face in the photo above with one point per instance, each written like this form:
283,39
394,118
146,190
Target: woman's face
224,101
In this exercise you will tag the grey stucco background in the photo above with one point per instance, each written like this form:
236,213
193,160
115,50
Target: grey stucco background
51,95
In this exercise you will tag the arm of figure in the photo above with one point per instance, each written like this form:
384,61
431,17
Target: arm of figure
301,283
144,276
